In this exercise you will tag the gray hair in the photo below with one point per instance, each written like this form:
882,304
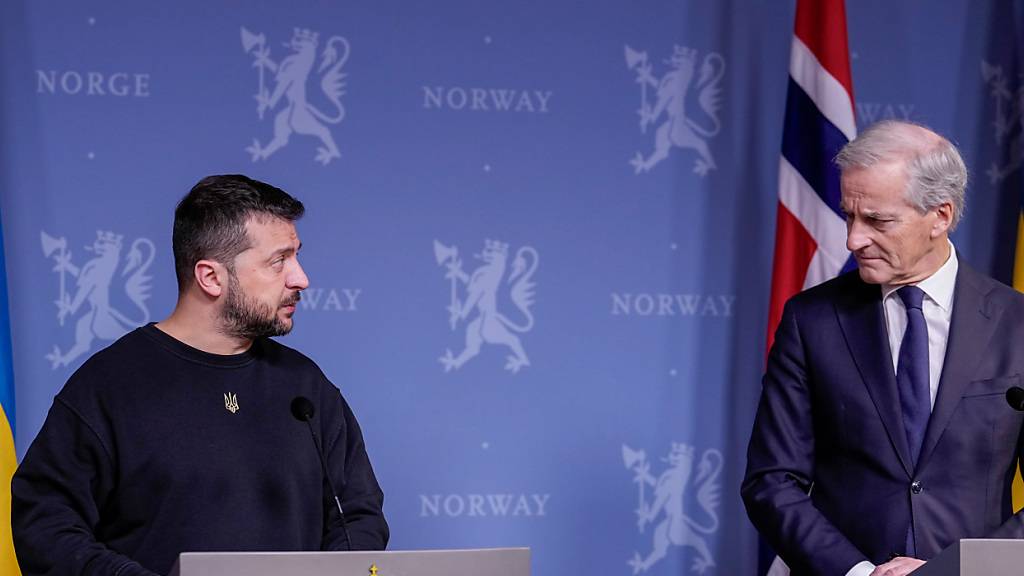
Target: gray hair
936,173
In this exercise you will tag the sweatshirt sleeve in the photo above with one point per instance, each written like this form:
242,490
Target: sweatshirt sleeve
360,495
57,493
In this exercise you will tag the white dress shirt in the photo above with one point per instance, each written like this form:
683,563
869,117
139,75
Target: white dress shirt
938,310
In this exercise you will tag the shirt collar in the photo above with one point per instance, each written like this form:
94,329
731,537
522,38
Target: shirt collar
939,286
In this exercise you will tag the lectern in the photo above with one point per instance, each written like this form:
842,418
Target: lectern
977,557
485,562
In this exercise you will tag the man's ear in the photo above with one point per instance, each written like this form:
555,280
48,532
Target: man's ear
944,212
211,277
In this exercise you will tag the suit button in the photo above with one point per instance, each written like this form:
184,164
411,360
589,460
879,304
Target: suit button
915,487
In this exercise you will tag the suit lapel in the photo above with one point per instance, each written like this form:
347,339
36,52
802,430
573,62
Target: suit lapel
863,324
971,327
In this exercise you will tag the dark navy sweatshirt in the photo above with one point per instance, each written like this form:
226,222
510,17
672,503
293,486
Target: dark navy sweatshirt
154,448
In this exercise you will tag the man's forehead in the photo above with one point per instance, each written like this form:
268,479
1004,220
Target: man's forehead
849,191
885,170
271,233
269,223
876,180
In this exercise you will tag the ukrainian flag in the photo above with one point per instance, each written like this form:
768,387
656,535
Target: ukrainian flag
1018,264
1018,283
8,459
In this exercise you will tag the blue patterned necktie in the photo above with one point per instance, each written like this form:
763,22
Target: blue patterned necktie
912,381
912,371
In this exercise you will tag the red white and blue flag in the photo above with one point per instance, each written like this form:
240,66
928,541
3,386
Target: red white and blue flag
810,232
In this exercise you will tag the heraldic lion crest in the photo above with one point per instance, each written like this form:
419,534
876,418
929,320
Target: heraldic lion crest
482,290
672,91
296,114
676,526
91,302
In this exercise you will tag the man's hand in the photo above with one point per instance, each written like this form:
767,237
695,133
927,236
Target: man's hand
898,567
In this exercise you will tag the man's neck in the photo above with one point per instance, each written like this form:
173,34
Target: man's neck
942,254
931,263
199,329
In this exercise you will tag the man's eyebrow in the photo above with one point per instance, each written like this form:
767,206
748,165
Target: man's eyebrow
868,213
286,250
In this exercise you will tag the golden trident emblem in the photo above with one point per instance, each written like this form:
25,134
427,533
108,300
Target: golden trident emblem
231,402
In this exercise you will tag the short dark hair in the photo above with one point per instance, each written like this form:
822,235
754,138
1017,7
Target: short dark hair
209,222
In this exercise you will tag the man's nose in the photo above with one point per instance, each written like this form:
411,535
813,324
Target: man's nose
856,236
298,280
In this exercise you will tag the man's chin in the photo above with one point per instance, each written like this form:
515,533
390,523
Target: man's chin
872,275
285,324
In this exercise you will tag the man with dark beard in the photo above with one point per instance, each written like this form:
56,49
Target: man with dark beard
179,436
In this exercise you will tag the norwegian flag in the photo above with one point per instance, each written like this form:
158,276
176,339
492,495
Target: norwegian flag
810,231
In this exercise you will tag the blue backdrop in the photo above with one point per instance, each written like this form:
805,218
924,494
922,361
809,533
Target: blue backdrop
538,235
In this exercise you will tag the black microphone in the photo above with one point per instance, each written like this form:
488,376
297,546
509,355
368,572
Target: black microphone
303,410
1015,397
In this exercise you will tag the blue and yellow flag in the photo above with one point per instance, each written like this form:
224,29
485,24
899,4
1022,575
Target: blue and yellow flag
1018,264
1018,283
8,459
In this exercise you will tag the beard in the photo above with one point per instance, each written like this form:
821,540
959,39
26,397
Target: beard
248,318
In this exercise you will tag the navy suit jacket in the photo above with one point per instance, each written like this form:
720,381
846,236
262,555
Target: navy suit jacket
829,481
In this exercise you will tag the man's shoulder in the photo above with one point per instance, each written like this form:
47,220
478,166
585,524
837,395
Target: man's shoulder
287,360
111,369
301,374
993,292
126,348
987,284
272,351
844,287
